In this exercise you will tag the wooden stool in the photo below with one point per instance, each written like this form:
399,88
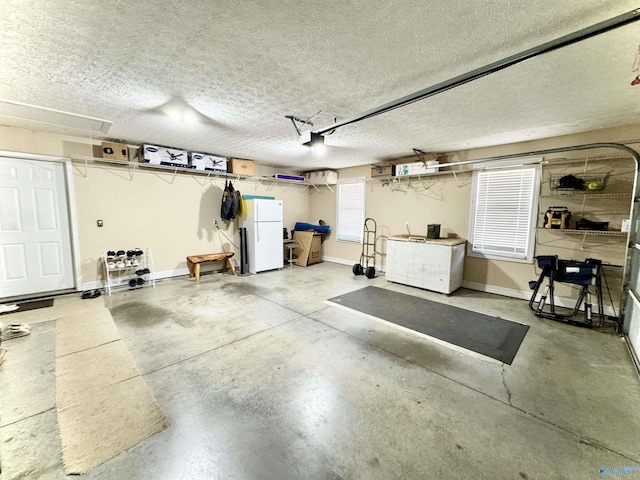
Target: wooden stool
194,261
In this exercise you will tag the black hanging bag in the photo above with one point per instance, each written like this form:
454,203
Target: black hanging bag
227,201
235,201
230,202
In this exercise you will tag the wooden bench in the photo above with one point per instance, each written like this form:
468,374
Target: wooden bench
194,261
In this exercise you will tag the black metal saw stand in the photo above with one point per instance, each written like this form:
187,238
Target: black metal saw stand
574,272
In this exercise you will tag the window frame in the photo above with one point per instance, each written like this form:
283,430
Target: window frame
341,235
533,164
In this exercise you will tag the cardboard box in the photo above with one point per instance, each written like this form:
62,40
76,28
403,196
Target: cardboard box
310,250
212,163
322,177
242,167
416,168
115,151
384,171
163,156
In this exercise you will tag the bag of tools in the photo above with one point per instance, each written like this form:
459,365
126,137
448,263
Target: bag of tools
557,217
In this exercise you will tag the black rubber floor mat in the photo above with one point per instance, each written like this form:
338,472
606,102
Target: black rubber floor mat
31,305
491,336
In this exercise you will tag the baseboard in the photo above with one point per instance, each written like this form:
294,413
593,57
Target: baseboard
92,285
525,295
480,287
155,275
505,292
632,353
350,263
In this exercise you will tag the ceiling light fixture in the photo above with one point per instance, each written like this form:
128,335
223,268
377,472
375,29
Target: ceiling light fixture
311,139
49,116
183,115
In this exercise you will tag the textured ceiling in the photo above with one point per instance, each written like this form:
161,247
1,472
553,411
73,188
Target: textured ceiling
243,66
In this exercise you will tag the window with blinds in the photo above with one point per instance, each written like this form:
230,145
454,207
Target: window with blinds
504,205
350,209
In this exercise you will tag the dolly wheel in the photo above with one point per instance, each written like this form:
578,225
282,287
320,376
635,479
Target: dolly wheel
371,272
357,269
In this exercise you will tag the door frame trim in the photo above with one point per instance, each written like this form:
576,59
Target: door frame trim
71,205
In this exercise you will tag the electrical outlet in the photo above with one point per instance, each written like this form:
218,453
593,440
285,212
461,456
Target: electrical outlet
215,222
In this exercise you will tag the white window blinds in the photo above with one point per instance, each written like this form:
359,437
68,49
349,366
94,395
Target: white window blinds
350,206
503,212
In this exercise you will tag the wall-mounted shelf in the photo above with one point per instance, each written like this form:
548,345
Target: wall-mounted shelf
582,194
585,233
568,231
590,186
583,160
132,166
425,180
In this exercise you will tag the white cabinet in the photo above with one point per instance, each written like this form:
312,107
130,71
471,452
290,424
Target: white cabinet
430,264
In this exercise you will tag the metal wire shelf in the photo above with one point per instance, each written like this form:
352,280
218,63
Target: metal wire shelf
562,184
572,231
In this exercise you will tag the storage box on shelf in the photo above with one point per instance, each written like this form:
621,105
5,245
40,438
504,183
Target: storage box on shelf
289,177
417,168
382,171
211,163
322,177
242,167
156,155
115,151
127,269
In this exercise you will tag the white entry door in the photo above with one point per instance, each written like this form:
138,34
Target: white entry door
35,241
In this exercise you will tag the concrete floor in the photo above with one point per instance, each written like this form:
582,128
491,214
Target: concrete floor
262,380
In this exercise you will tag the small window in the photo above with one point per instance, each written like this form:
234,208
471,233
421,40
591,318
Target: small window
350,206
503,213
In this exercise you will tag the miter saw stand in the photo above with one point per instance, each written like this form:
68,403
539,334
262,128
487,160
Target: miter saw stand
574,272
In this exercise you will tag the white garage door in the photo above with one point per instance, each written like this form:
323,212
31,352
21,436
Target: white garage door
35,241
632,315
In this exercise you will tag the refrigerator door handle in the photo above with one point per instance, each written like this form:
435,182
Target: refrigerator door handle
257,221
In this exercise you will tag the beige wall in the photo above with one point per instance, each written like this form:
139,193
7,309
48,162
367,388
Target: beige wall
171,215
446,200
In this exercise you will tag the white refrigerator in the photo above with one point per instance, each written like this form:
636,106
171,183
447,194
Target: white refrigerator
263,220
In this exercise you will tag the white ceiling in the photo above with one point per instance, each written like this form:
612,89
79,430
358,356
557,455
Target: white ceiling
245,65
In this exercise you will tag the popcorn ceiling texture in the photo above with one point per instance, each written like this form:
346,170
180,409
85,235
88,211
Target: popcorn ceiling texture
244,65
